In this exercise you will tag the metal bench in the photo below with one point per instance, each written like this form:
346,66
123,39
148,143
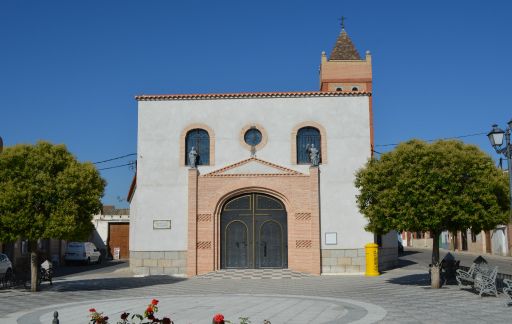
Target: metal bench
485,281
507,291
46,272
466,278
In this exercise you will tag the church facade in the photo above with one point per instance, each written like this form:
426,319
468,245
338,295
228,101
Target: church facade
254,180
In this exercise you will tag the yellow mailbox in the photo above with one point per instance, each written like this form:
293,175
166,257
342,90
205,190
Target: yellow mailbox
372,259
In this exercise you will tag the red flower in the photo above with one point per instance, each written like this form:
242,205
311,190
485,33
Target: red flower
92,310
149,309
154,302
218,318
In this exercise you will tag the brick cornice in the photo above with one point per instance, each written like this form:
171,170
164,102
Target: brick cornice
249,95
221,172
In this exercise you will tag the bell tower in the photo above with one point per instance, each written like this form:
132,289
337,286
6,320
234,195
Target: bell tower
346,71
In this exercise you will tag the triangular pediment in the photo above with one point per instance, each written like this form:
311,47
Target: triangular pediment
253,167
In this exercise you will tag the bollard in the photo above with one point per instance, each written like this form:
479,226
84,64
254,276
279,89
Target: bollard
55,318
372,259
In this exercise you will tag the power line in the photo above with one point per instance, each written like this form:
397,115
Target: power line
437,139
116,158
117,166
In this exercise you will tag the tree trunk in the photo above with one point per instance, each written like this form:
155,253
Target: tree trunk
435,270
34,266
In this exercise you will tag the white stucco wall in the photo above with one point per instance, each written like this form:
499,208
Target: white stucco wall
162,182
133,222
499,241
101,227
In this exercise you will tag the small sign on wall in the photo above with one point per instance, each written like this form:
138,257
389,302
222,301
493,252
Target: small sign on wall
331,238
162,224
117,253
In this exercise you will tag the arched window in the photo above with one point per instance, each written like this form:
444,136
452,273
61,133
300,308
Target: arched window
339,89
200,140
306,137
355,89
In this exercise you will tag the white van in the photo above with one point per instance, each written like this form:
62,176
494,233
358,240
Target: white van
82,252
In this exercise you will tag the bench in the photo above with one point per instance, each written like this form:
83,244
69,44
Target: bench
480,277
485,281
507,291
46,272
466,278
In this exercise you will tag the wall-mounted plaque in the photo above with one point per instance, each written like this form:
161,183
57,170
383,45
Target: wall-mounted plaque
331,238
162,224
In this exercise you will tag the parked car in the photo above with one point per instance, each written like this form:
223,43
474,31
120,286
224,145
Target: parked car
5,267
84,252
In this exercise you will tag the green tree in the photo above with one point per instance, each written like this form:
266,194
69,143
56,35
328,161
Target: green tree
446,185
46,193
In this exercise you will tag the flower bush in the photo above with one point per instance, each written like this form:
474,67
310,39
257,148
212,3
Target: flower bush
149,317
97,317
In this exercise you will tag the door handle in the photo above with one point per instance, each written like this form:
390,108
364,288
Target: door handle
264,249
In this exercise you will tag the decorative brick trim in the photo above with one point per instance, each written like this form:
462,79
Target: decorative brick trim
303,244
323,140
221,172
255,175
248,95
303,216
204,245
211,134
204,217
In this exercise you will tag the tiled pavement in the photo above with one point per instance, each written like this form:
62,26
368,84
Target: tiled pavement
255,274
397,296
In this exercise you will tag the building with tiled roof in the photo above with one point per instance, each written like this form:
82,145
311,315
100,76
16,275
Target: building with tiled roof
344,49
257,179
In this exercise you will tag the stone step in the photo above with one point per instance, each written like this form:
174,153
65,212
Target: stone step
254,274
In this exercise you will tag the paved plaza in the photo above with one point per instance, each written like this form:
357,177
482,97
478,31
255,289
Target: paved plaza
401,295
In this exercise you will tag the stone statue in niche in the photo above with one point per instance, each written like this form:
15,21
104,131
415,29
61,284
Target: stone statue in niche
192,158
314,154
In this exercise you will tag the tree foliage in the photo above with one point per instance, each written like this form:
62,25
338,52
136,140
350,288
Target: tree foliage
446,185
46,193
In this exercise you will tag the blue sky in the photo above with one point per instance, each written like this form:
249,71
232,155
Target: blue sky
69,70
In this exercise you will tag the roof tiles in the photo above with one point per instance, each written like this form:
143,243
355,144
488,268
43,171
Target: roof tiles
246,95
344,49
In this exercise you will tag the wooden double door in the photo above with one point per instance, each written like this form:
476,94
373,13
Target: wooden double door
253,233
118,238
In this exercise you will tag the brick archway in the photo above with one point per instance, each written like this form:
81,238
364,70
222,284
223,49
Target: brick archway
208,194
253,232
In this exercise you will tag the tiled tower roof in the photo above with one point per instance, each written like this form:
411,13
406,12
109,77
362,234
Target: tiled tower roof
344,49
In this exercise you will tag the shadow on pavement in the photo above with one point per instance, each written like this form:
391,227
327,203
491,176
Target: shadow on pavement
409,252
114,283
412,280
404,263
65,270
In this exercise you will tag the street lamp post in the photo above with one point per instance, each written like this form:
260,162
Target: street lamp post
496,136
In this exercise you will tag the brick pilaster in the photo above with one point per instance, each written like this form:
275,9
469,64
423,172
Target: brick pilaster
314,176
193,175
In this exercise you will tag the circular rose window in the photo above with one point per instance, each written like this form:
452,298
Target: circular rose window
253,136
